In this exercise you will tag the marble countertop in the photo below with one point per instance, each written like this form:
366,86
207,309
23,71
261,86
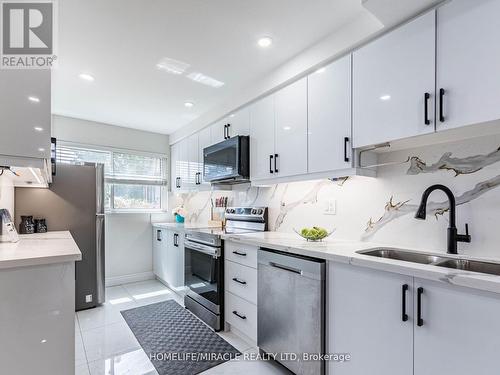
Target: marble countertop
39,249
346,252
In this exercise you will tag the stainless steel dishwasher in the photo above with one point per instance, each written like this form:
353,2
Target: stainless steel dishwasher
290,309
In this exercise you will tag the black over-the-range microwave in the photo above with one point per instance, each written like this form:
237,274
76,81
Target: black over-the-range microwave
227,161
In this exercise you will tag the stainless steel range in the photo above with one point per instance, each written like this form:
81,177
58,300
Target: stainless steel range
204,262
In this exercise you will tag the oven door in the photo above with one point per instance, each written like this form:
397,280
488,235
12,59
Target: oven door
203,274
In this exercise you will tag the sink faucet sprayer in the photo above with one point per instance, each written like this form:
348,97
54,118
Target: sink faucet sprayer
453,236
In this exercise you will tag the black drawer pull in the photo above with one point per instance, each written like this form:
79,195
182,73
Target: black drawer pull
404,315
427,96
271,164
238,315
275,161
346,157
420,321
240,254
239,281
441,104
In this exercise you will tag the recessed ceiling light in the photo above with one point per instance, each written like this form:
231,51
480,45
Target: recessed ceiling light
385,97
265,42
38,128
172,66
231,115
41,149
188,104
321,70
86,77
287,128
34,99
205,80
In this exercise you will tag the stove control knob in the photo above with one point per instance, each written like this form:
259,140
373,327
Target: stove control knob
228,210
254,211
260,211
232,211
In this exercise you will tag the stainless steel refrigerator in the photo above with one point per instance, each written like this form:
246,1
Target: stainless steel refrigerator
75,202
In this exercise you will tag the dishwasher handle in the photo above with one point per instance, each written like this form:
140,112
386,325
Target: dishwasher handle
285,268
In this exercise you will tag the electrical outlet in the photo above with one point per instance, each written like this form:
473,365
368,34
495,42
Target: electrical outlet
331,207
88,298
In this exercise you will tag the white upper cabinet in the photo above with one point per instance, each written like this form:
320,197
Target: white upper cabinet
468,62
329,117
459,330
179,162
218,131
193,162
291,130
25,113
391,77
204,140
262,139
174,167
239,123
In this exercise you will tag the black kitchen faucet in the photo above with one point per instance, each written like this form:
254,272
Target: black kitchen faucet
453,236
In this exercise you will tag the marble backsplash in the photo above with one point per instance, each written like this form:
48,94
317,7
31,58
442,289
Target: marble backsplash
381,209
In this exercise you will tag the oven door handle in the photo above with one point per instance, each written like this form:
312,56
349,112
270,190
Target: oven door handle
209,250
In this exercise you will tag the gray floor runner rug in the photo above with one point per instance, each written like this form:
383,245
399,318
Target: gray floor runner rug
175,340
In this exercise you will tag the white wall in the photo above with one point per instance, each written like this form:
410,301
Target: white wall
95,133
129,246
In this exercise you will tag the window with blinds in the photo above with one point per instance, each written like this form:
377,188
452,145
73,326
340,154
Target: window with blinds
132,181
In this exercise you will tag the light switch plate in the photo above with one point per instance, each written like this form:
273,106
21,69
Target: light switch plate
331,207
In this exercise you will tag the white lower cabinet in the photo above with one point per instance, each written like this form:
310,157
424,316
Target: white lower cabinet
365,321
447,330
240,282
168,256
241,314
460,331
159,254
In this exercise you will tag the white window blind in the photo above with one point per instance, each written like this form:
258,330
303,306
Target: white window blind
133,181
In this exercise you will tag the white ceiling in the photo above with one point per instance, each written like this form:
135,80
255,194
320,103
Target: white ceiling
120,42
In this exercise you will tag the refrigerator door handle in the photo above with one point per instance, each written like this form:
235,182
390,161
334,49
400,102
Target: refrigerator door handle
100,221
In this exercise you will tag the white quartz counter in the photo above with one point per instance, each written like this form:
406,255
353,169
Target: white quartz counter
346,252
39,248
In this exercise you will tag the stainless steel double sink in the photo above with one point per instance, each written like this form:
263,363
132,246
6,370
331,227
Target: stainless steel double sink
436,260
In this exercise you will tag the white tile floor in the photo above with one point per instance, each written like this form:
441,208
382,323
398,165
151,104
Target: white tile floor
105,345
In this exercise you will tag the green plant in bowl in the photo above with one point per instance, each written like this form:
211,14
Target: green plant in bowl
314,233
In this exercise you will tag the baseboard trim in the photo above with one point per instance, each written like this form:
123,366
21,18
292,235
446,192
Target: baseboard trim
132,278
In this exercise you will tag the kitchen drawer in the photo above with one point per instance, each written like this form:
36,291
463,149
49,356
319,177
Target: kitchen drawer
241,280
246,322
240,253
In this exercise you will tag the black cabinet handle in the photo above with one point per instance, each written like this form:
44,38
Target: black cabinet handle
240,254
176,240
275,162
239,281
228,126
404,315
427,96
420,321
441,104
271,164
158,235
225,131
177,182
238,315
346,157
